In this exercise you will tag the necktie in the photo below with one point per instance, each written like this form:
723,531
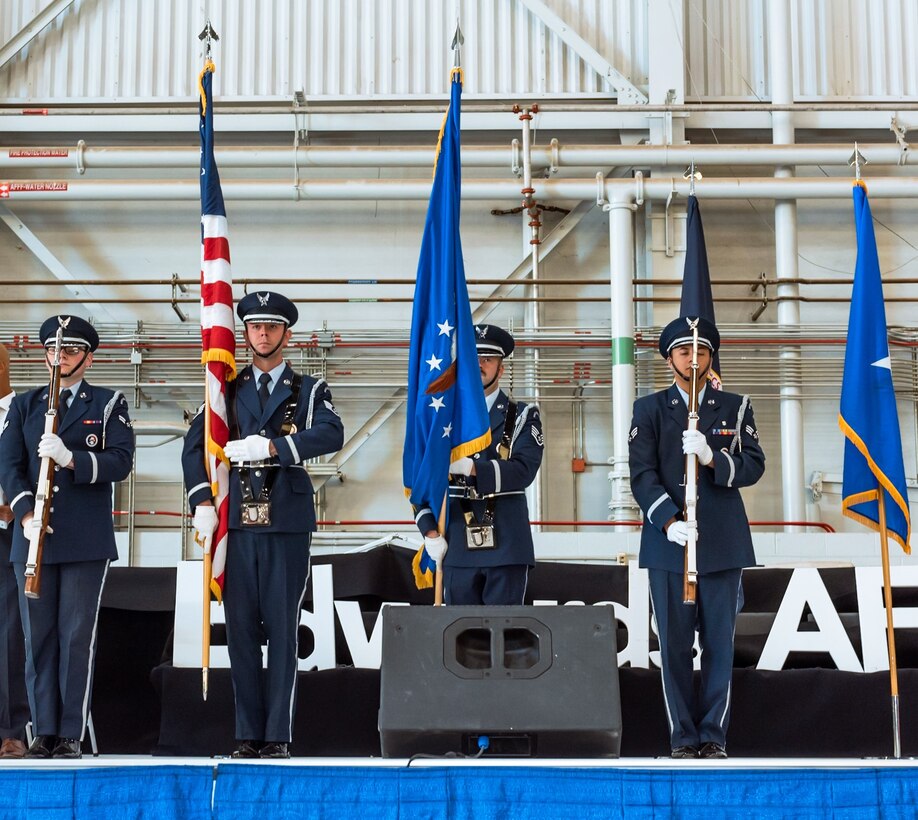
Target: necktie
63,405
263,393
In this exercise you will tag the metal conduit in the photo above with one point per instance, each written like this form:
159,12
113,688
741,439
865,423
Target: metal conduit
82,157
565,364
333,280
601,190
363,300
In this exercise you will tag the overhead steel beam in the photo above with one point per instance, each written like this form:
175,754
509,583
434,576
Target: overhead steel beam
50,261
31,29
666,52
627,92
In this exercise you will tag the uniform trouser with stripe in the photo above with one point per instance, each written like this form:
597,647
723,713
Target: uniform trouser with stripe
14,701
266,576
485,586
60,630
701,716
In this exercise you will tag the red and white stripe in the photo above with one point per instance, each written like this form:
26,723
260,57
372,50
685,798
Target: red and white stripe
218,336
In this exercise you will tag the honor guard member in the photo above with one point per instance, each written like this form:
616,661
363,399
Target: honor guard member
14,702
488,545
278,420
729,457
93,447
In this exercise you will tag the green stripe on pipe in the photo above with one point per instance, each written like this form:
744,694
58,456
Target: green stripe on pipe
623,350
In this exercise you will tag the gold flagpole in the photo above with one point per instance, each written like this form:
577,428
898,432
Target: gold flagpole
890,635
208,565
438,575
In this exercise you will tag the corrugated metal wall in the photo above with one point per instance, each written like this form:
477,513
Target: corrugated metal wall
725,45
272,48
842,49
130,50
854,49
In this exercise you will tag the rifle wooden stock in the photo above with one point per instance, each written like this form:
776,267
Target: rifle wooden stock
690,570
44,492
42,512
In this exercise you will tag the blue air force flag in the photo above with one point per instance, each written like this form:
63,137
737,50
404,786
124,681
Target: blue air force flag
868,416
447,417
697,298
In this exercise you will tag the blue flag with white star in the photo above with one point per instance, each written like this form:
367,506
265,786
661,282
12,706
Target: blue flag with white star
447,417
868,417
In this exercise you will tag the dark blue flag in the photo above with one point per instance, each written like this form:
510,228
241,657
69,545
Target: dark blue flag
446,413
868,417
697,299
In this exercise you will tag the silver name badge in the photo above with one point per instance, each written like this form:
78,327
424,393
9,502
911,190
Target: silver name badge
480,538
256,514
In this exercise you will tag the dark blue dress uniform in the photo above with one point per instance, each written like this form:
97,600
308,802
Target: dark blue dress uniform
267,567
60,626
493,576
724,546
14,702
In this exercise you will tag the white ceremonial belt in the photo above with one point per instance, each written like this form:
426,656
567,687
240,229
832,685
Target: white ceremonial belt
478,497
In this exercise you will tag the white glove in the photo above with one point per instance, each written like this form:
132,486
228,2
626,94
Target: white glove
677,532
693,441
205,524
436,547
461,466
33,525
51,446
250,448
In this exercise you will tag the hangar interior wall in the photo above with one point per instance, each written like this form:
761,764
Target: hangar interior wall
374,74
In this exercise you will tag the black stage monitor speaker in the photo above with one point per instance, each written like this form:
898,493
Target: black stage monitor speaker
522,681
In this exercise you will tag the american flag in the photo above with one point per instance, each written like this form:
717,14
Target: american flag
218,329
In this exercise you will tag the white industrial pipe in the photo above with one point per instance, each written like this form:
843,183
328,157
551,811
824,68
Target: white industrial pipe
781,80
636,190
531,238
622,506
82,157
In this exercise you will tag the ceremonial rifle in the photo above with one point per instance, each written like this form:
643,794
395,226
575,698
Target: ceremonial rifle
690,572
45,490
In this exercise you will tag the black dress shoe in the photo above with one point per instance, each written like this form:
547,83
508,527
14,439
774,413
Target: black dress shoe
275,750
684,753
41,746
712,751
246,749
67,749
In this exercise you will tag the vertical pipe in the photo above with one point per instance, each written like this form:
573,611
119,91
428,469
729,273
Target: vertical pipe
782,93
621,273
533,314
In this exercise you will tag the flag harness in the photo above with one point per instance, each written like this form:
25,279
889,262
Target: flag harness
256,511
480,533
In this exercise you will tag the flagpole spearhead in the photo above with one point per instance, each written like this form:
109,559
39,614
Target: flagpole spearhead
458,40
209,36
691,175
857,159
